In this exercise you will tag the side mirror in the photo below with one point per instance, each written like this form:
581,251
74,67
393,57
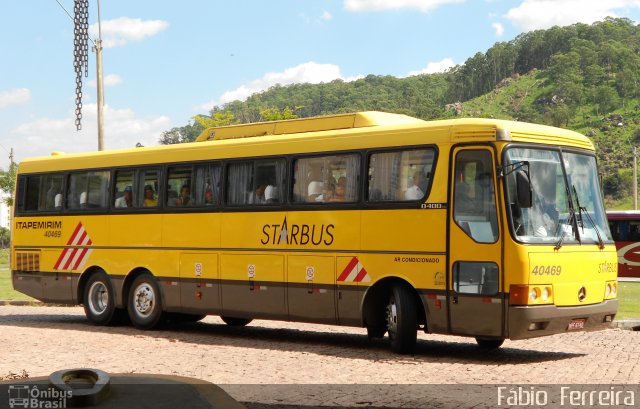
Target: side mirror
523,190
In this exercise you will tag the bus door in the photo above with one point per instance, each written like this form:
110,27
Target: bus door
474,268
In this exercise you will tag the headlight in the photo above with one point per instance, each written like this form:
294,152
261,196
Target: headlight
546,292
534,293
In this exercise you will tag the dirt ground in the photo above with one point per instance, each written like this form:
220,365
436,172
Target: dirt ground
304,359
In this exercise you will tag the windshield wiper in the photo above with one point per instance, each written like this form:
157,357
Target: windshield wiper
595,227
575,193
572,215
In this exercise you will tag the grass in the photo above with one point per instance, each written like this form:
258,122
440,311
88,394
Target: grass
629,296
6,288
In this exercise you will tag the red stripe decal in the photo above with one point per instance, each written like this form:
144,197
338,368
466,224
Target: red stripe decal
83,252
70,259
345,273
79,242
60,259
73,236
361,274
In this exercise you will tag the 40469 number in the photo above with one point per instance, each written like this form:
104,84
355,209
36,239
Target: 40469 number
547,270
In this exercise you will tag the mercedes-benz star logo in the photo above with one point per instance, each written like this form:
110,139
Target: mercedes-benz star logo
582,294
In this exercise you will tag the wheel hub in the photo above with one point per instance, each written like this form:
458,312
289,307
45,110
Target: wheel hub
144,299
98,298
392,317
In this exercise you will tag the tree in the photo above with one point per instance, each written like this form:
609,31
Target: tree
8,181
187,133
274,114
606,99
219,118
5,237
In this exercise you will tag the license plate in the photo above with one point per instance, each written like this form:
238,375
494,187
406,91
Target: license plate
576,324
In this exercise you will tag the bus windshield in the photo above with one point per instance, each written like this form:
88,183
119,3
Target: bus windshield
563,210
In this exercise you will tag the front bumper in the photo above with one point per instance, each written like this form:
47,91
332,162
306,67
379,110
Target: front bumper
551,319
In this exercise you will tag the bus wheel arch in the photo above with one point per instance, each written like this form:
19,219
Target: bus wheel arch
82,281
376,301
97,295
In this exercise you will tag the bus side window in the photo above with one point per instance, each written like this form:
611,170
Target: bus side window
475,278
622,231
239,183
634,234
207,185
179,185
400,175
474,208
124,195
33,193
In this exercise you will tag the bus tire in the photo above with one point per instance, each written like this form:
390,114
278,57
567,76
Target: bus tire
236,322
376,332
402,319
489,343
144,304
98,299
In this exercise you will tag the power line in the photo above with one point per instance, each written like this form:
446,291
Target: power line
65,10
5,149
73,20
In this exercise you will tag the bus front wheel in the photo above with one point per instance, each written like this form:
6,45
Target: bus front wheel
402,319
98,299
144,304
489,343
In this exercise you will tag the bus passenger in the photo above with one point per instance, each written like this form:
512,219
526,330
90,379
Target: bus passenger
415,192
149,197
314,190
257,196
126,200
185,196
54,190
341,189
83,200
271,194
208,198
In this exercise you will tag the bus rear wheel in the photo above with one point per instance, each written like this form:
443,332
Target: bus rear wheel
402,320
236,322
98,299
144,303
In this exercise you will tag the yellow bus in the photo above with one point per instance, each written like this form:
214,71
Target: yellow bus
474,227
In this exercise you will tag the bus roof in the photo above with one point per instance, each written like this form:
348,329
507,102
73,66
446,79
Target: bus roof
303,125
334,132
623,214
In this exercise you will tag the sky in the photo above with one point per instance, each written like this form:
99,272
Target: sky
166,61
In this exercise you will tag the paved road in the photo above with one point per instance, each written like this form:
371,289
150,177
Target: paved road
261,362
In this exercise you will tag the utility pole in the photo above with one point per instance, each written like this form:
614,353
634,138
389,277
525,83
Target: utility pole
635,179
97,47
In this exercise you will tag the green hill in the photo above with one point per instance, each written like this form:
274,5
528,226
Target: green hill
582,77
